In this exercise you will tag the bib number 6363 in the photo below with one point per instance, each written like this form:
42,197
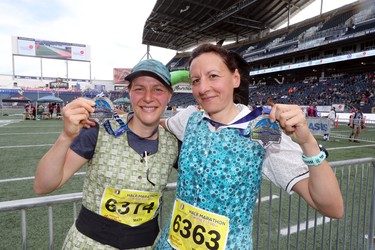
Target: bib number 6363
197,234
196,228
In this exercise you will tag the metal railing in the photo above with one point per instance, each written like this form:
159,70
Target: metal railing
281,221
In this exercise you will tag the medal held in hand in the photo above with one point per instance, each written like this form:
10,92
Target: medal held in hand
264,131
104,110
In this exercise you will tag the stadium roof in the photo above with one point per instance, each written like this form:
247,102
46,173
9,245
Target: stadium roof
182,24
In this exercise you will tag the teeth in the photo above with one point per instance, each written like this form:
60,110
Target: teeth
149,109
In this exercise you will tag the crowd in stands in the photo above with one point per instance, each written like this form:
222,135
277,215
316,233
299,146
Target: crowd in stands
354,90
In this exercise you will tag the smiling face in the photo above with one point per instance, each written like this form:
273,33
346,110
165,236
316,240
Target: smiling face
213,84
149,98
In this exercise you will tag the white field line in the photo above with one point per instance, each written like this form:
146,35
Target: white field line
267,198
349,147
4,123
29,178
302,226
26,146
31,127
34,133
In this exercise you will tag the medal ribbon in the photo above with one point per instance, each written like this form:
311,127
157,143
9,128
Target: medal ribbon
249,117
123,127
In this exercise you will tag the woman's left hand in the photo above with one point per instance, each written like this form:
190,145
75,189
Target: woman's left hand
293,122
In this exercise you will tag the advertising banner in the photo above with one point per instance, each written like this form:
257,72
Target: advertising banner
119,75
319,125
24,46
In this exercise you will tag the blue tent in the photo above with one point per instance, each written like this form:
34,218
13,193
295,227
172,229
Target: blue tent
123,100
50,98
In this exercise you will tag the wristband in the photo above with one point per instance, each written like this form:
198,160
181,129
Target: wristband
317,159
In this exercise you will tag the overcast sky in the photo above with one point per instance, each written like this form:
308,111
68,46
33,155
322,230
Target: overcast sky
112,28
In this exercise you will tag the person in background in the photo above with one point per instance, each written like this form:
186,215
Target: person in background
331,117
356,122
27,111
51,107
222,159
40,109
58,110
33,111
129,160
311,112
304,110
350,124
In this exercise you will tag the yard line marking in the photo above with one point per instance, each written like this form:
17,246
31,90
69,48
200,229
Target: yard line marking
302,226
4,123
349,147
267,198
346,137
44,126
35,133
26,146
29,178
17,179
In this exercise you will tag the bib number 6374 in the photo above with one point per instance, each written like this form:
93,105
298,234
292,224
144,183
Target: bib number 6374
195,228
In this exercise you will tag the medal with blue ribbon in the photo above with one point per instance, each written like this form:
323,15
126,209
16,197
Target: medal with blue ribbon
104,109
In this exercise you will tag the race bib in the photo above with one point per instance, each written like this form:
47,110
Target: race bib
195,228
130,207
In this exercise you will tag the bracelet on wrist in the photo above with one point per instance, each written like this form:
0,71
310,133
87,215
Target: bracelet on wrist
316,160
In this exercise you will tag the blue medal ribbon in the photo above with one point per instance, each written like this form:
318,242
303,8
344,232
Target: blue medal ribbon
123,127
249,117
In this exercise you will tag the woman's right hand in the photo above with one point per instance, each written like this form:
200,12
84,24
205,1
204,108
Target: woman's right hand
76,115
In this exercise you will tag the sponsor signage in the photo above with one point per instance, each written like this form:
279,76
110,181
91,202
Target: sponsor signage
319,125
119,75
340,58
24,46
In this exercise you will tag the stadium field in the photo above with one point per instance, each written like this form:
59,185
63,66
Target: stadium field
24,142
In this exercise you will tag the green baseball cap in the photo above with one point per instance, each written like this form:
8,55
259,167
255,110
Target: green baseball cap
153,68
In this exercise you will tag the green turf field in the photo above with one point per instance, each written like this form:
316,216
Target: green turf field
23,143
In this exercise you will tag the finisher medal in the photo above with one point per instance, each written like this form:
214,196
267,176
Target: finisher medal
104,109
264,131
